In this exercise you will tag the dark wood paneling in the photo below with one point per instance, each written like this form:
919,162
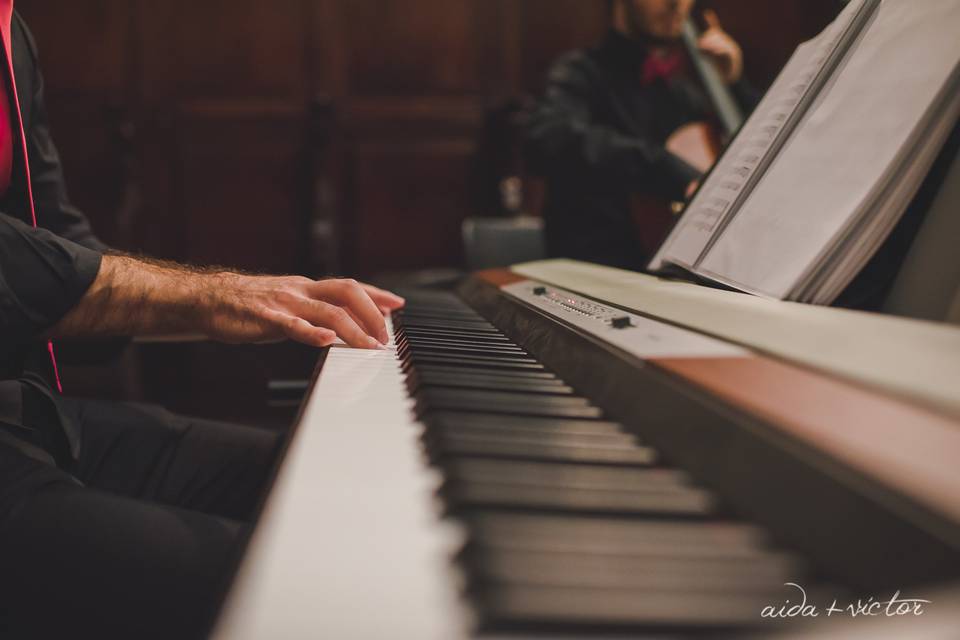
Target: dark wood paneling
99,139
400,219
406,163
160,224
548,28
100,65
240,185
770,31
223,48
88,88
412,47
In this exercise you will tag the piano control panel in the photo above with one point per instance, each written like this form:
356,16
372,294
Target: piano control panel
637,335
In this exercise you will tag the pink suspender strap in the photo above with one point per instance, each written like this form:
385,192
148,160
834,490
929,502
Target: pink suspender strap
6,17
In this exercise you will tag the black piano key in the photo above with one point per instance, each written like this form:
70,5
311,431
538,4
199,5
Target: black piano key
468,352
437,314
542,447
616,536
418,340
522,377
423,345
465,362
763,570
472,396
494,337
576,476
436,300
430,324
504,606
434,399
575,488
519,374
451,332
478,326
442,311
561,435
526,497
492,352
426,296
569,487
523,424
466,381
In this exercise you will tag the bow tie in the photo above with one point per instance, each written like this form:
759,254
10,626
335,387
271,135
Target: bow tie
657,67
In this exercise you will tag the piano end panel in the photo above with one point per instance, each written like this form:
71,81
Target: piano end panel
498,277
843,520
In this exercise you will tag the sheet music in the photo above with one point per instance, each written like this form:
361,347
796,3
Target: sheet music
897,196
843,151
758,138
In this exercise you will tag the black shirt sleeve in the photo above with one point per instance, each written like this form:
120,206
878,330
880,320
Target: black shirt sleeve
42,277
564,138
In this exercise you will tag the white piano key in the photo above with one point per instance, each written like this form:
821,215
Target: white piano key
350,544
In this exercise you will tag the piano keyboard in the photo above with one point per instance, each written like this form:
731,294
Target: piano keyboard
467,489
571,520
455,485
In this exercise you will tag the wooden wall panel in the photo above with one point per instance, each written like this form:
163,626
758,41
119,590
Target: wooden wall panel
159,218
770,31
405,163
223,48
392,47
549,28
88,89
99,64
240,185
408,202
97,138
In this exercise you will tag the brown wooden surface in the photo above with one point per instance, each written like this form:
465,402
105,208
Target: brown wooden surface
902,445
499,277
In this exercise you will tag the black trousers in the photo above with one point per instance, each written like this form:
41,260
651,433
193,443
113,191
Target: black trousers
135,540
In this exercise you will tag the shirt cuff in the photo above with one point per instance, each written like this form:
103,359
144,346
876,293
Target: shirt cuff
44,277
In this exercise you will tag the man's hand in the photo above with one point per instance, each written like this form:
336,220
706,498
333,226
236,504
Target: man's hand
258,309
722,49
142,297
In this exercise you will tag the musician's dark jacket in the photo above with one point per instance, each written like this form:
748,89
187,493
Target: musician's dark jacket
598,136
43,272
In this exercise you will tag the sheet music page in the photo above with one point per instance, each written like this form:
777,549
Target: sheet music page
897,197
714,200
842,150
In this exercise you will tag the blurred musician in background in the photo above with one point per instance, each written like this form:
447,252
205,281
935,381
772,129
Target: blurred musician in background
601,133
122,520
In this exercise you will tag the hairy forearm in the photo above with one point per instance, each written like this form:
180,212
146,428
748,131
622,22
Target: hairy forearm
135,296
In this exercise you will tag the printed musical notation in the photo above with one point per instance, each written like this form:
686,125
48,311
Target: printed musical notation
752,149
